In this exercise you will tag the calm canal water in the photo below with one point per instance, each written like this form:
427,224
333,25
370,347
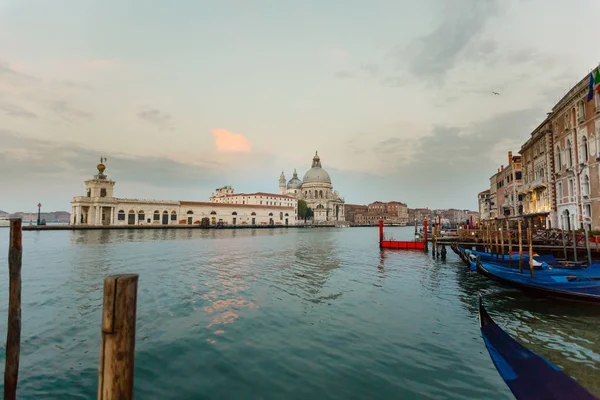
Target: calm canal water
278,314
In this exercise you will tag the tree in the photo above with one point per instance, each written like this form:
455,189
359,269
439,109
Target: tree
302,207
309,214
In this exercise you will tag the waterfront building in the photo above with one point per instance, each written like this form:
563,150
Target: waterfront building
418,214
510,179
576,135
494,196
483,200
537,162
317,191
395,212
226,195
505,186
100,207
561,166
352,210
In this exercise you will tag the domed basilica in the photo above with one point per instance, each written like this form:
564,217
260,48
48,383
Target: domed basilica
316,189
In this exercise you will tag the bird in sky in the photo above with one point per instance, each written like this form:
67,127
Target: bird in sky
496,93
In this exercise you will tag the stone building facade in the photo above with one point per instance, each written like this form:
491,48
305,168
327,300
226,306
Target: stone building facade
576,134
317,190
537,162
100,207
561,163
483,200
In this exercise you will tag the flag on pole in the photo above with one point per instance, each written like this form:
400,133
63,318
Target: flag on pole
597,80
591,87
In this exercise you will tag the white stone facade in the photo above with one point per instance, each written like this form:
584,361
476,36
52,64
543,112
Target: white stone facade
316,189
99,207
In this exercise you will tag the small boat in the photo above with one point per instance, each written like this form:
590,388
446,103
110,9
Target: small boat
539,262
4,221
583,285
527,374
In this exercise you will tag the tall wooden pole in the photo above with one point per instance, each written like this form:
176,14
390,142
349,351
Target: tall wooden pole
502,240
496,236
115,375
564,242
574,241
508,232
520,247
13,337
530,242
587,246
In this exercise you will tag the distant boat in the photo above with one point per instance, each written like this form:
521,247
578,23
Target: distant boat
4,221
527,374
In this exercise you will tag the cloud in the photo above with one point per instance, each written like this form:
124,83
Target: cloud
188,176
99,63
231,142
69,84
344,74
36,158
336,56
163,121
66,112
445,168
431,56
14,110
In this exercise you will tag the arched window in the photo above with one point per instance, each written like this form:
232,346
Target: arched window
190,212
581,111
584,149
320,193
287,215
593,145
213,213
253,213
156,216
586,185
141,215
173,215
121,215
558,158
280,215
569,154
270,214
234,213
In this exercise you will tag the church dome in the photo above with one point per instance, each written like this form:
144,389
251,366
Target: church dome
316,174
294,183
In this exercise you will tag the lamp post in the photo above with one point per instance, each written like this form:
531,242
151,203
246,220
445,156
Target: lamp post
39,212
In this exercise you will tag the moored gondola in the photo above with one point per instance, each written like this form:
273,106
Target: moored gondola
570,285
527,374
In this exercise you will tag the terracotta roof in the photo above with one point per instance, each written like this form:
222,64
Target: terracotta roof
217,205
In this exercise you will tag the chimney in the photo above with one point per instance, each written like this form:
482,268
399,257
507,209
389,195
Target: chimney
502,168
509,157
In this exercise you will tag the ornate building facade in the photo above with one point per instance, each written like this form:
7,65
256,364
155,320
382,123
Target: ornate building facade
317,190
100,207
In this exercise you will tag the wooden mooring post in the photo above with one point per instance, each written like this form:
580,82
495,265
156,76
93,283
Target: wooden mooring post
508,231
115,375
502,240
530,243
13,336
520,246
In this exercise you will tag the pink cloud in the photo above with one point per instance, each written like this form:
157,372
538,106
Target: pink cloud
231,142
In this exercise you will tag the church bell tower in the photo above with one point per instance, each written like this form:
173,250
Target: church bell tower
282,185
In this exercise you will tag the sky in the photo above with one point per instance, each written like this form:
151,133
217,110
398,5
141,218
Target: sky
187,96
